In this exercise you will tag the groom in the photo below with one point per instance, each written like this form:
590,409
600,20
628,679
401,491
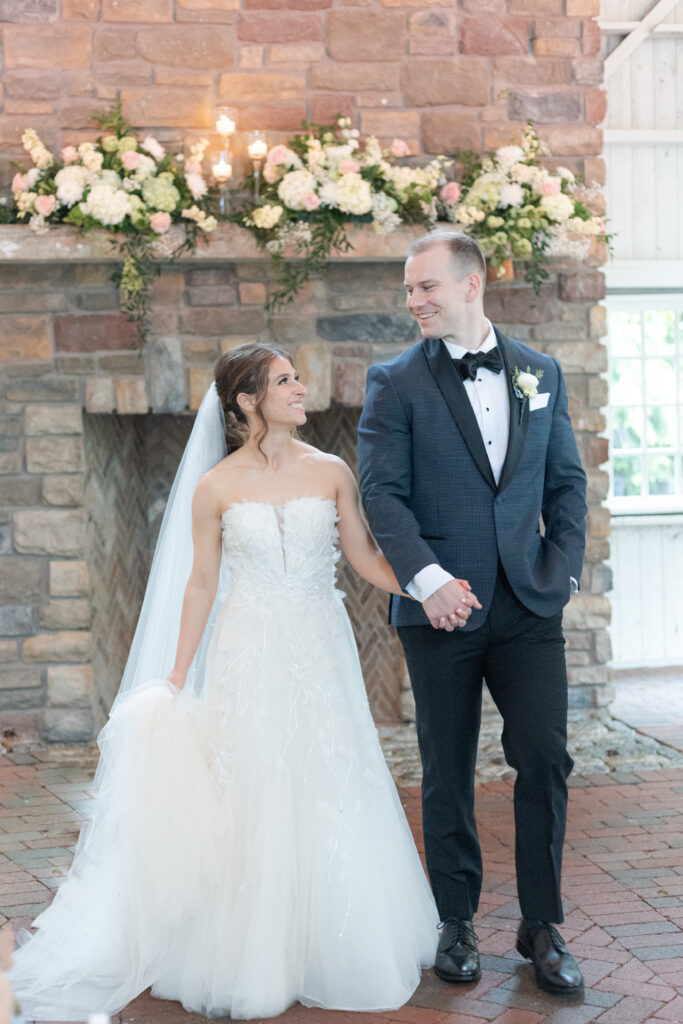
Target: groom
460,459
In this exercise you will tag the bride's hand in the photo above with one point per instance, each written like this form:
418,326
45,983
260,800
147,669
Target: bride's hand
176,679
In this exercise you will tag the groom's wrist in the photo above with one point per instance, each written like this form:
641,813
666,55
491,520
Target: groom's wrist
427,581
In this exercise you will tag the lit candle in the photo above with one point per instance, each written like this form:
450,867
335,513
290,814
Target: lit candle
225,126
258,149
222,170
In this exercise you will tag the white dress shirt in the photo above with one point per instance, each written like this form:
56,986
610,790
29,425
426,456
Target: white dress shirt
488,395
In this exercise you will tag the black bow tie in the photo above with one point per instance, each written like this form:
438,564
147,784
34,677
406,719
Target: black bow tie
472,362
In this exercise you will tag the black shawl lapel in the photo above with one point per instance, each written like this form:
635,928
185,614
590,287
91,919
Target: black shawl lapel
453,390
518,424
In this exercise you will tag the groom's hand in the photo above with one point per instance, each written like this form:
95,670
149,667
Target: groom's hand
451,605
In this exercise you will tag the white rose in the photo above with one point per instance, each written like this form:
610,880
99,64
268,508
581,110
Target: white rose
558,208
527,383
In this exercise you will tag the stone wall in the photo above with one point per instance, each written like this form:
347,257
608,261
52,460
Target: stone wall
66,362
465,73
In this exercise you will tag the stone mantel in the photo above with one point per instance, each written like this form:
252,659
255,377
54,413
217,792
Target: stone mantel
66,243
77,439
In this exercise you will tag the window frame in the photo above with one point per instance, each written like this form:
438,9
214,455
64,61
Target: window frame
644,301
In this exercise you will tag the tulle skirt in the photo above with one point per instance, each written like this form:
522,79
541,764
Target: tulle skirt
247,848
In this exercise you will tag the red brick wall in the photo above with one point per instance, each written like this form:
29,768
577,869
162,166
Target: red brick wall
464,74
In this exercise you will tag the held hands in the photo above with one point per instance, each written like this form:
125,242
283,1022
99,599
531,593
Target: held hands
451,605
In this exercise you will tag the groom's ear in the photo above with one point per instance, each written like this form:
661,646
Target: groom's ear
475,287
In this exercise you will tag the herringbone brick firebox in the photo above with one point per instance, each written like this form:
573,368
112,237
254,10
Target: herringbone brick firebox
92,431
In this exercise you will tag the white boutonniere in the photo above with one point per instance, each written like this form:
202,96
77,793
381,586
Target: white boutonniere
525,386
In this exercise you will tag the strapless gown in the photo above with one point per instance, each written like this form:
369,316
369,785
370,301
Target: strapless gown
248,848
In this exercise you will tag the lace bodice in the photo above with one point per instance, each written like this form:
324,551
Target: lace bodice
292,546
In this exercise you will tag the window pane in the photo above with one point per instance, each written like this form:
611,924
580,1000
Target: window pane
659,328
626,382
660,474
625,334
660,381
627,428
628,480
661,427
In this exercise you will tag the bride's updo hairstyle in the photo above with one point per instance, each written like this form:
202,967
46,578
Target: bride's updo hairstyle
244,370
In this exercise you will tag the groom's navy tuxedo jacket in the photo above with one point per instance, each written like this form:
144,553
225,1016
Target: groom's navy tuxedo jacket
430,495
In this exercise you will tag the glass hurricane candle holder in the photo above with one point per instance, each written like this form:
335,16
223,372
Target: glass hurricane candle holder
221,168
225,122
257,148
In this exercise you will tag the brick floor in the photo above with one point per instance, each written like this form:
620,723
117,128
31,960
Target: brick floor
623,889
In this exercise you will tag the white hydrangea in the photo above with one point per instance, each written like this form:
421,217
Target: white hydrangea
294,186
558,208
508,156
71,182
33,176
267,216
354,194
109,177
153,147
328,193
511,194
106,204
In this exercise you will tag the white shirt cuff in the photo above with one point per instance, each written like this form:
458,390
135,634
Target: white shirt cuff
427,581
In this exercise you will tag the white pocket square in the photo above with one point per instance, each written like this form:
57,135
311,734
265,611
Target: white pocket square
539,401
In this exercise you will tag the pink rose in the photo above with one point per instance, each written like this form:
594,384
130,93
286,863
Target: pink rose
450,193
69,154
399,148
20,183
310,201
278,155
130,159
160,222
551,187
45,205
193,167
349,166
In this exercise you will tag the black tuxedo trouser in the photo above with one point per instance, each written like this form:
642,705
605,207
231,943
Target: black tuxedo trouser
521,656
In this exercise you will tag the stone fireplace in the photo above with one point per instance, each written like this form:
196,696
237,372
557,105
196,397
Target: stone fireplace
93,428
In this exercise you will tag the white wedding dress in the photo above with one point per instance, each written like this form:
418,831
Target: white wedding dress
248,848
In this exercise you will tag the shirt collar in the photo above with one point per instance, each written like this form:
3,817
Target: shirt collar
457,351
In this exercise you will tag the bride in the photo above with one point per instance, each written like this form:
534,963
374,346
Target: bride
247,847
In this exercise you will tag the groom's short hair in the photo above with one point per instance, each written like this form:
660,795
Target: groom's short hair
465,252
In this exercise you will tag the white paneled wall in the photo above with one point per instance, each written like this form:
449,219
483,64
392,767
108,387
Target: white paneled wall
644,190
647,602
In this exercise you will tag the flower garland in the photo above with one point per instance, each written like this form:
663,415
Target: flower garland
121,184
325,179
517,209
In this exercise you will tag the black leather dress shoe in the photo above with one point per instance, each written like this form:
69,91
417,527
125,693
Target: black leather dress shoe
457,956
556,969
